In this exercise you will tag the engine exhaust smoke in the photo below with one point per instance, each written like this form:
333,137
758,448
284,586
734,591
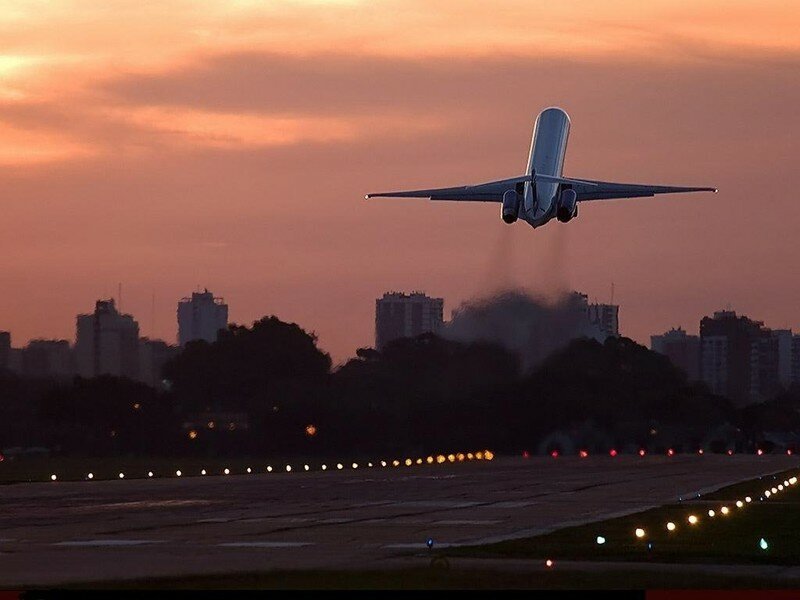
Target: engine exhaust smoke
531,325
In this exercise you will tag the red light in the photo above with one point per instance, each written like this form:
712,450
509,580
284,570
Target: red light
554,454
612,452
526,454
2,458
641,452
789,452
549,563
583,453
730,452
670,452
759,452
700,451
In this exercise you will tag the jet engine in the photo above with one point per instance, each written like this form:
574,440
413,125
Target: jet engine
567,206
510,208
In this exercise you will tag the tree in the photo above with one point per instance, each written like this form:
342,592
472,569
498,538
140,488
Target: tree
269,371
109,415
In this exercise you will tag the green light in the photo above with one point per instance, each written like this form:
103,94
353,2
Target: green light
763,544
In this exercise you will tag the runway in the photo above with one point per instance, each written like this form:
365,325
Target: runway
62,532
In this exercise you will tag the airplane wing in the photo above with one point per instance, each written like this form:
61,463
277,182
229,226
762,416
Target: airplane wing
606,190
586,189
491,191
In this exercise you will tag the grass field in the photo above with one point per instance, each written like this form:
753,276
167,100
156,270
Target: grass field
732,538
455,578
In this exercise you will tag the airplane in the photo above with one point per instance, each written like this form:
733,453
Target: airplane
543,193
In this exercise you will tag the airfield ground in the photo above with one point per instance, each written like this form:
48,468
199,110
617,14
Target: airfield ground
314,529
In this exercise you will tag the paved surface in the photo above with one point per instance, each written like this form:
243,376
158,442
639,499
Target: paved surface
54,533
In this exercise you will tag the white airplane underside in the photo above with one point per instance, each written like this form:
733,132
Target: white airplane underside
543,193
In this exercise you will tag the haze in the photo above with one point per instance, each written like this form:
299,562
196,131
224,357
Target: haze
229,145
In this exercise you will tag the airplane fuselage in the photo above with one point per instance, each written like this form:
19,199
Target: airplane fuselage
546,157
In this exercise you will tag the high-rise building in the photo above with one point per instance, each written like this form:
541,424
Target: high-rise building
738,357
5,350
604,317
765,367
795,380
47,358
153,355
682,350
201,317
107,342
399,315
15,360
784,338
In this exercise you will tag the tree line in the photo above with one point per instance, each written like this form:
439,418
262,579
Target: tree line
270,389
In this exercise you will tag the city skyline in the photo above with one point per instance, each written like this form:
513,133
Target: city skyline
604,315
163,147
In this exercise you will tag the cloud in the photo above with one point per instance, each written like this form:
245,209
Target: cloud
250,100
152,34
22,147
343,84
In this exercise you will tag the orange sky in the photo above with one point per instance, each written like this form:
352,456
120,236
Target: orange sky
229,144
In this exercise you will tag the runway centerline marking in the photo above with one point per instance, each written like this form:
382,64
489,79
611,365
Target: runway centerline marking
436,504
515,503
95,543
264,544
467,522
417,545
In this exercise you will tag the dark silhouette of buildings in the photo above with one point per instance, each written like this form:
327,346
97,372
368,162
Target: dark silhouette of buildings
399,315
795,360
153,355
682,349
40,358
201,317
107,342
603,316
47,358
5,350
739,357
784,339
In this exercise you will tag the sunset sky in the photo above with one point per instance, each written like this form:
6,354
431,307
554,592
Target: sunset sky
229,145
